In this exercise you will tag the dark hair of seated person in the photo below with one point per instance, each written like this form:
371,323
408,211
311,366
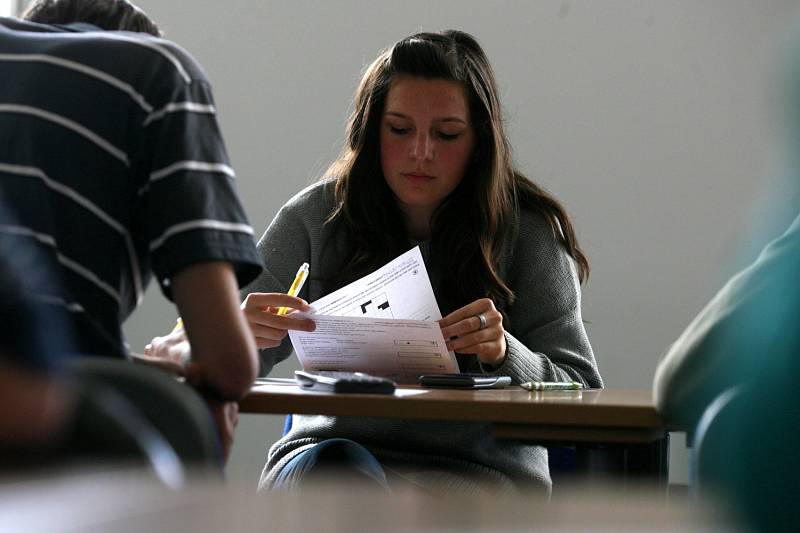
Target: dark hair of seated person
110,15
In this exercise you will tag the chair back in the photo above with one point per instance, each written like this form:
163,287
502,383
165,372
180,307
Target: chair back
176,414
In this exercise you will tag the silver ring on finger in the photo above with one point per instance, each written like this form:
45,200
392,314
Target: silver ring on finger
482,320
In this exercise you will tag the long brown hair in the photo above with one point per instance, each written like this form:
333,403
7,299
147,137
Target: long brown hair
468,228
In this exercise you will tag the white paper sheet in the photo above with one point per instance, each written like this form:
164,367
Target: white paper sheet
399,289
398,349
382,324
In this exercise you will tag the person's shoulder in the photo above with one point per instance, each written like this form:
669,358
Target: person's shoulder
148,52
788,244
536,245
306,212
109,52
533,224
23,27
318,195
170,53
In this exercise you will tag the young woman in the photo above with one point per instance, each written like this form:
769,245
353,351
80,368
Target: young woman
427,163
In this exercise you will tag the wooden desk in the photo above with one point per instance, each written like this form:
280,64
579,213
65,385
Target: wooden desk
613,430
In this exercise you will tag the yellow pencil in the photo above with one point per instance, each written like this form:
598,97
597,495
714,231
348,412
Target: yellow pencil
297,284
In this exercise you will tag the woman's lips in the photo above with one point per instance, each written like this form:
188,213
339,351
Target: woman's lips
417,178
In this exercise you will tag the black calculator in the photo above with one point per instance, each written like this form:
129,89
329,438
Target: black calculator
347,382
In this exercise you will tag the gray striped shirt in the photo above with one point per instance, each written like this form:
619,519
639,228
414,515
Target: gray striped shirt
111,155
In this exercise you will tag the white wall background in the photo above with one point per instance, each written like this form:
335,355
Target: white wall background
8,8
653,121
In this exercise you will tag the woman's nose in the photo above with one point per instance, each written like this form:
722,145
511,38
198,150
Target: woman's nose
423,147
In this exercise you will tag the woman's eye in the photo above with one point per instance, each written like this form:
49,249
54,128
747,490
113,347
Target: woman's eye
397,130
448,136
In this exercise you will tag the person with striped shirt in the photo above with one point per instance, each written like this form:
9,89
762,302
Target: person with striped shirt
112,158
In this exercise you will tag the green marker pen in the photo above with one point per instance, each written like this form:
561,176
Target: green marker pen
551,385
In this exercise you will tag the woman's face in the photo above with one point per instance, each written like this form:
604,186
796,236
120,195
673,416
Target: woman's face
426,142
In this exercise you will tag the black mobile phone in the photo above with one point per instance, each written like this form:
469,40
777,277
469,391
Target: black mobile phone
348,382
464,381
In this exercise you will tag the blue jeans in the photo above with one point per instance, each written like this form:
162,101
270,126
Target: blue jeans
329,458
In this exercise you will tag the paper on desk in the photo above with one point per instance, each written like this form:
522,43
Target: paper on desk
382,324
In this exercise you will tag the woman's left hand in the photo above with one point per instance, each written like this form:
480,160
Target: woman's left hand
465,332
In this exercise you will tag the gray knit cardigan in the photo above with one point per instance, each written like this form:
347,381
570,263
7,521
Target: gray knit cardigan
545,336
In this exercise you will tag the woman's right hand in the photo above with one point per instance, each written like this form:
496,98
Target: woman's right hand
268,327
171,351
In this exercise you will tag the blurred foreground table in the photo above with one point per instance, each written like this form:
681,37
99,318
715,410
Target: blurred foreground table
123,502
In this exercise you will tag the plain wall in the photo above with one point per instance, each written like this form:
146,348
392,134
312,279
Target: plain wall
8,8
654,122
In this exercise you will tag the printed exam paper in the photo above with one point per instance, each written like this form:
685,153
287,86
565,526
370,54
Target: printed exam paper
382,324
